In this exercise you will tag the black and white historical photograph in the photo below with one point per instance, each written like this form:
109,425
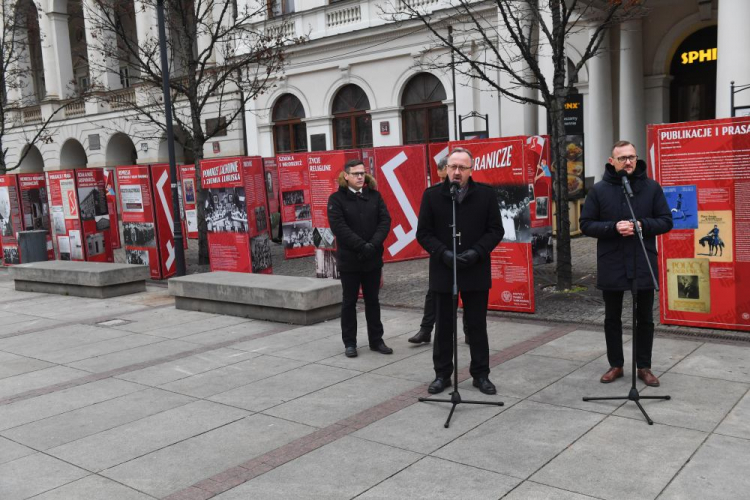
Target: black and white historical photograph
323,237
297,234
94,244
542,207
302,212
513,201
139,234
293,197
269,183
76,244
687,286
260,253
92,202
10,255
6,225
137,257
261,220
102,222
35,208
58,220
542,246
225,210
325,264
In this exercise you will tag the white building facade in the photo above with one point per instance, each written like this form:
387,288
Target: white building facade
362,81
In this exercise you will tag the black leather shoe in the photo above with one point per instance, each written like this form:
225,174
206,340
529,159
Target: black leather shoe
438,385
484,385
382,349
351,352
423,336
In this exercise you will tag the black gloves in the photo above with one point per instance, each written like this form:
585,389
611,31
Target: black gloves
367,252
447,258
467,258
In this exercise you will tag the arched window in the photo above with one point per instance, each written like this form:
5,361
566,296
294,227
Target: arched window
352,125
425,117
289,132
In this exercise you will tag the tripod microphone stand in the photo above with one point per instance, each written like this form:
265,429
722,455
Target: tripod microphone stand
633,395
455,399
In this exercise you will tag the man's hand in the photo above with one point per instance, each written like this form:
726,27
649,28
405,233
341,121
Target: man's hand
368,251
467,258
626,228
447,258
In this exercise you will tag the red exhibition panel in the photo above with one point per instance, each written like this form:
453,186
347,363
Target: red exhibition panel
436,151
226,214
258,217
10,219
109,176
540,194
501,164
35,206
402,179
189,199
271,174
325,168
95,223
161,189
704,262
66,223
296,221
138,218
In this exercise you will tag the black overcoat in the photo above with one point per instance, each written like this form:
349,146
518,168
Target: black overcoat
605,206
356,221
478,221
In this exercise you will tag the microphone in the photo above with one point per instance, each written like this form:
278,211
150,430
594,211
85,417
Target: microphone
455,186
626,184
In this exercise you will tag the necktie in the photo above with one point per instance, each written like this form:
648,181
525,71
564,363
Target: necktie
359,194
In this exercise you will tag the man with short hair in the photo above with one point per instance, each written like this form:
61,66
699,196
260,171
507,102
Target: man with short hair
478,222
606,217
360,221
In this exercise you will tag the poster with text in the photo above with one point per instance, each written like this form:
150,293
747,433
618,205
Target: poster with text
504,164
271,177
537,157
10,219
402,179
296,217
257,212
161,189
436,151
226,214
189,199
704,262
35,206
63,202
110,181
139,232
94,213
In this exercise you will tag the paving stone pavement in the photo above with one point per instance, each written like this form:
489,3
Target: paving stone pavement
128,398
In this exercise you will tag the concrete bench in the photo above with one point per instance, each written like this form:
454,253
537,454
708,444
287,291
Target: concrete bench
96,280
285,299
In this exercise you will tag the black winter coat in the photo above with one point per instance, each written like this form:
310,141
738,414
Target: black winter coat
478,221
355,221
605,206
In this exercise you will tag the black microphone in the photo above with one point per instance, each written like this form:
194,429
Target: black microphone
626,183
455,186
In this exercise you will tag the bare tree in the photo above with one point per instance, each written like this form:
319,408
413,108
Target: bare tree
512,34
222,55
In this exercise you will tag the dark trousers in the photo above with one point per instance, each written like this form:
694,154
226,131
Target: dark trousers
613,327
475,318
350,283
428,318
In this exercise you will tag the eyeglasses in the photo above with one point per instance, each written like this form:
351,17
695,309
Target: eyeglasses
460,167
623,159
357,174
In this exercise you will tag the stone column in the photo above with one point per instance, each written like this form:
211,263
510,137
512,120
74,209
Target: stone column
732,62
656,98
631,105
598,126
204,10
101,48
147,30
58,60
547,68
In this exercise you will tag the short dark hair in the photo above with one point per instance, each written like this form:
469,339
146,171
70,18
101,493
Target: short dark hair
353,163
442,163
620,144
460,150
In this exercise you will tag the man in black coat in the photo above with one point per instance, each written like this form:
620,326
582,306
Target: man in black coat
360,221
606,217
481,230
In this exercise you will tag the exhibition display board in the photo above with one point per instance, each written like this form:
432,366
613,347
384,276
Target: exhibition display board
271,175
402,178
80,218
236,214
35,206
109,175
509,165
189,196
704,262
296,221
324,170
10,219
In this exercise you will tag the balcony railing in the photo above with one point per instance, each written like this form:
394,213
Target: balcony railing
122,99
341,17
75,109
32,114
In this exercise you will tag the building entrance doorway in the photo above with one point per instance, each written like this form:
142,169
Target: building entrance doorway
693,68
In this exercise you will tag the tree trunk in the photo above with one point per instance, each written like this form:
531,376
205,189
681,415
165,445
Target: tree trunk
557,136
201,209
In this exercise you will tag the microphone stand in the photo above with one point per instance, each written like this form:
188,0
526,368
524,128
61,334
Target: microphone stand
455,399
633,395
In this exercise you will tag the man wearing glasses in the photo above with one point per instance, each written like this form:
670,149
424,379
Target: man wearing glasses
360,221
481,230
605,216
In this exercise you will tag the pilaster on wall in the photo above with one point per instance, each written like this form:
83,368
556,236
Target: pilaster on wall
733,63
58,60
